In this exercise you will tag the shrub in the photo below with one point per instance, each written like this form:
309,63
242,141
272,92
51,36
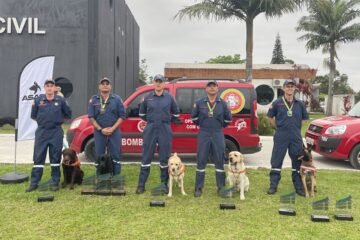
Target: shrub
265,129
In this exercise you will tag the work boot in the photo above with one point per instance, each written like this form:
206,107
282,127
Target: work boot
300,192
166,189
31,188
140,190
198,192
271,191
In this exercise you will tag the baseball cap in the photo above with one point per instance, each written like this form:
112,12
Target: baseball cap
159,77
49,81
289,81
212,82
104,79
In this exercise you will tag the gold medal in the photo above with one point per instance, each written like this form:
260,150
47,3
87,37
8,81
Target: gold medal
102,110
211,109
289,109
102,105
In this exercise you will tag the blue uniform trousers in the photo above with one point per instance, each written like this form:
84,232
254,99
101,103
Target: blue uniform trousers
160,134
44,139
210,141
114,144
283,141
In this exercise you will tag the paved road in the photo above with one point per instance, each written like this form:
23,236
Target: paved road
24,150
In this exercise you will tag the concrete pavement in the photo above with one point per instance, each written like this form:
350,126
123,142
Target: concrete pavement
24,153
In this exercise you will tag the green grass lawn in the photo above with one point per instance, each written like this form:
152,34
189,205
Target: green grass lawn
73,216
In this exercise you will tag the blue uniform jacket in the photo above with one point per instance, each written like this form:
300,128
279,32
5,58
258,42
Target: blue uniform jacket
283,121
114,109
50,114
221,116
156,109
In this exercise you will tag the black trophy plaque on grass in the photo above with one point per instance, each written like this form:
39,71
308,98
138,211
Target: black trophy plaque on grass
118,185
45,193
343,208
227,200
320,210
287,204
158,196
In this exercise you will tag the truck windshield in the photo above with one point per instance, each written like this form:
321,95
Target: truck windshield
355,111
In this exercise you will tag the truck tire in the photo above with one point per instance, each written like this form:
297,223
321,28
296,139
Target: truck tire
355,157
90,150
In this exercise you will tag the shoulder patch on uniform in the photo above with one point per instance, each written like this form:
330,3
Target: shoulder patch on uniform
194,105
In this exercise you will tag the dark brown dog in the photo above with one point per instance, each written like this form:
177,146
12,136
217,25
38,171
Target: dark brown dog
308,171
71,168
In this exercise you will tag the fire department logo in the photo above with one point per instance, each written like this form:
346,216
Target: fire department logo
141,125
234,98
240,124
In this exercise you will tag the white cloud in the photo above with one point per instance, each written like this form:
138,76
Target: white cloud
163,39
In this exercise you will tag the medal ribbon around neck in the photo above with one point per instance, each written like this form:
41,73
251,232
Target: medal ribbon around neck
211,109
103,104
287,106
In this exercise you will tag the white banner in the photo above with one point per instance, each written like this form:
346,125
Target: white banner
31,85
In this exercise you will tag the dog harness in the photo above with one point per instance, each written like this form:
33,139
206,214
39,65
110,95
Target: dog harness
310,169
75,164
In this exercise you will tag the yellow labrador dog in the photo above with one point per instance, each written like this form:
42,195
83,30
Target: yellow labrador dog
176,173
237,173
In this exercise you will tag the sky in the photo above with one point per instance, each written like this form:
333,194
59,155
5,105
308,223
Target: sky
163,39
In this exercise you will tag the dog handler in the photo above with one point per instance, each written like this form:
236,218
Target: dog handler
212,115
106,112
287,114
49,111
158,108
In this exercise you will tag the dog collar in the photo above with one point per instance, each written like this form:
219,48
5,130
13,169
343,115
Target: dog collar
241,171
75,164
308,169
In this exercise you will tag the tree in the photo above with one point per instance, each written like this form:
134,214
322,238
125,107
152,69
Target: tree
327,26
143,75
244,10
277,55
226,59
340,86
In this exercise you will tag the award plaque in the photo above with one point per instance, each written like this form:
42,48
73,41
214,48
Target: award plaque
158,196
90,182
118,185
103,185
287,204
343,209
45,193
320,210
227,202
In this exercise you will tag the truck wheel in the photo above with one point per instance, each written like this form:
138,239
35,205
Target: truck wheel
355,157
229,147
90,150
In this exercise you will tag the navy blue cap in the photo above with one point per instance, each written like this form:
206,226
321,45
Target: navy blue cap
104,79
212,82
159,77
289,81
49,81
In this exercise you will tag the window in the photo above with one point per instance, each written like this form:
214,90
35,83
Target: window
133,108
265,94
65,85
186,97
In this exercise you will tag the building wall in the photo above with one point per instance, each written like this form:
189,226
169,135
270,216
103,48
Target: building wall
90,39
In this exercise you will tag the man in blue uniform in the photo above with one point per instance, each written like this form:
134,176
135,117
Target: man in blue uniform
158,108
49,111
287,114
212,115
106,112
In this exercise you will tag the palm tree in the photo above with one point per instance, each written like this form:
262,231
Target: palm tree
327,26
243,10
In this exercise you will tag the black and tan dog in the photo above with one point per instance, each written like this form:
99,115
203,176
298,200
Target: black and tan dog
71,168
308,171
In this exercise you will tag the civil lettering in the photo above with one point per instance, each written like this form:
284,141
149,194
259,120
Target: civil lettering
8,24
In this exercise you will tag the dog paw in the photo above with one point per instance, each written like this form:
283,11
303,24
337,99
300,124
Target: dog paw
242,197
169,195
72,188
183,193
